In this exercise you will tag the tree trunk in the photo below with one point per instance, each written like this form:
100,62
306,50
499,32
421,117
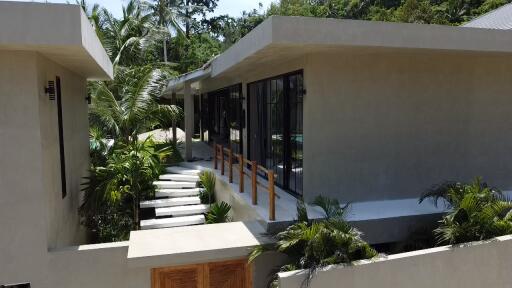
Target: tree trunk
187,19
136,212
165,50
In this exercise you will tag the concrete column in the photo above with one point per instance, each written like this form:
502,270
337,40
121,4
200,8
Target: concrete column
189,120
174,136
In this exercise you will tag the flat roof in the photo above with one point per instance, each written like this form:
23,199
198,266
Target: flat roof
286,36
500,18
60,32
195,244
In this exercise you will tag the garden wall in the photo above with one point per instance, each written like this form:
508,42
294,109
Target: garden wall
129,264
473,265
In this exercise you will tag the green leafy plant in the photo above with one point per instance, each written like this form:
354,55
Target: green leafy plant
314,244
219,213
207,180
117,188
128,106
476,212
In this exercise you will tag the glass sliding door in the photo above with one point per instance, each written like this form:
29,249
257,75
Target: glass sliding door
295,98
224,114
274,133
275,113
235,119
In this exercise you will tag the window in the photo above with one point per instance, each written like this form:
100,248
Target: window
276,133
225,117
61,138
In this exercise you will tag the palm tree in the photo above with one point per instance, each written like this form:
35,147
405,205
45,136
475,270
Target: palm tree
477,212
127,40
167,16
127,106
314,244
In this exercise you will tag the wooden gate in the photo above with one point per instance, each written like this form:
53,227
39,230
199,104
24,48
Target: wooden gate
226,274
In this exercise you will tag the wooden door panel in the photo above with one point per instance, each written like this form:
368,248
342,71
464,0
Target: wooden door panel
226,274
179,277
230,274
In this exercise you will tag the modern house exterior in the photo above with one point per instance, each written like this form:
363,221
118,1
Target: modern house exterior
369,113
47,54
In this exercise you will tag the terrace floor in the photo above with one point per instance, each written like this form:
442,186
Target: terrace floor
286,204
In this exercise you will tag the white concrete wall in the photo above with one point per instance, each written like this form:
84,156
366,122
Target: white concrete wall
395,123
474,265
106,266
33,215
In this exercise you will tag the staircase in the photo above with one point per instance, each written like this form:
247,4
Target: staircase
177,200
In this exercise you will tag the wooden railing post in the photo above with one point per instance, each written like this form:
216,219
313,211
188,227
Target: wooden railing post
272,197
230,165
215,156
254,179
221,160
241,166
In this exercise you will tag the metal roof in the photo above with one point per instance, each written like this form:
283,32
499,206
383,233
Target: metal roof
500,18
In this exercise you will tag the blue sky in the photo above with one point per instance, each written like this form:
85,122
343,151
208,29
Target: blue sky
231,7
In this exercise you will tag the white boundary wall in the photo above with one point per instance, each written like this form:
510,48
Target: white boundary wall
472,265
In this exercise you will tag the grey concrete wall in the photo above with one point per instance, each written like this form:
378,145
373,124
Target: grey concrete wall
389,125
23,210
469,266
61,32
33,216
395,122
63,222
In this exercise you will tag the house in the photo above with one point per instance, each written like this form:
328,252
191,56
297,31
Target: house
47,54
500,18
366,112
369,113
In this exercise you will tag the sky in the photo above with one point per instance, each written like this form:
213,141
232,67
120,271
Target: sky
231,7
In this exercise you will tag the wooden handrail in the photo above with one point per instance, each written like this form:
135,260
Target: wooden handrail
222,161
230,165
219,154
271,195
241,168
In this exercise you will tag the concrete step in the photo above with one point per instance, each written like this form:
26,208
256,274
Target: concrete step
182,210
174,184
172,222
170,202
182,170
180,177
173,193
193,166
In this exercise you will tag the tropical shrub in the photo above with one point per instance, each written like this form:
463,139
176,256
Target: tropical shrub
314,244
128,106
113,192
207,181
476,212
219,213
174,156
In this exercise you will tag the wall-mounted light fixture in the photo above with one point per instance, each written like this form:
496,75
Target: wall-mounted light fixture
50,90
